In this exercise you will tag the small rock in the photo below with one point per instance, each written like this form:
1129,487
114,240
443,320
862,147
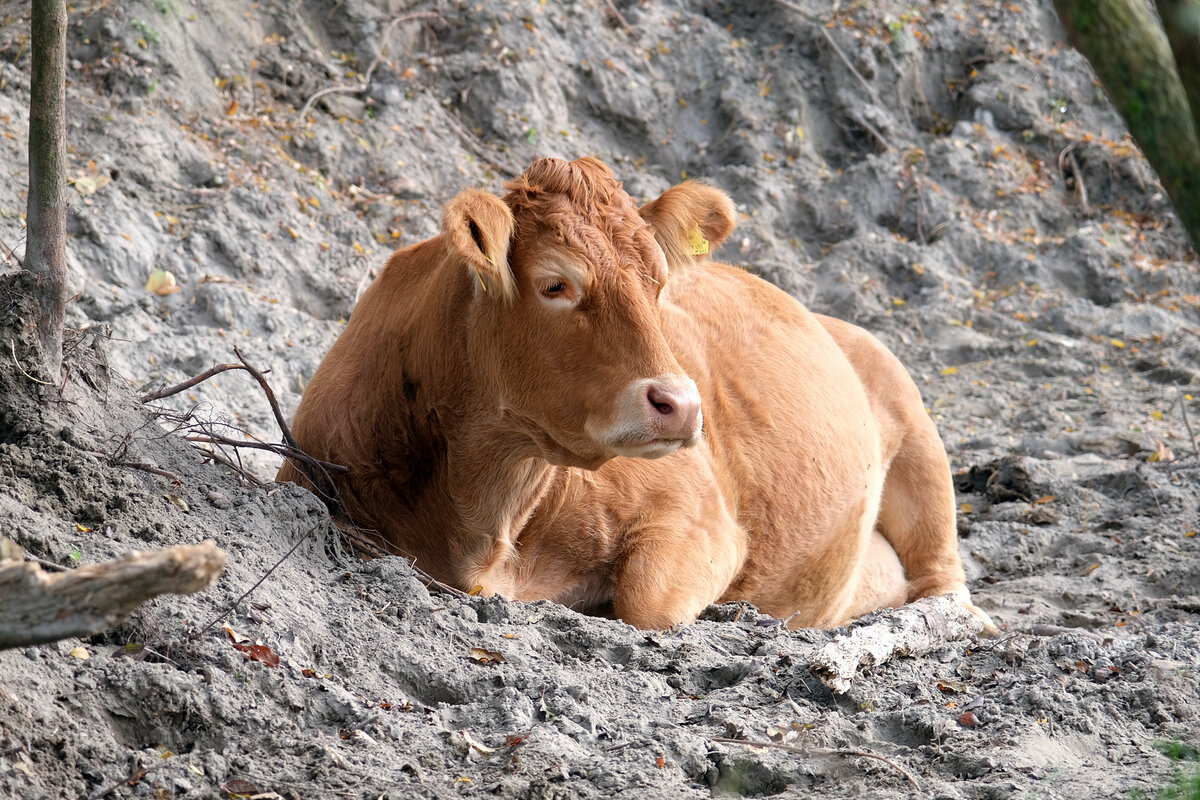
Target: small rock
219,500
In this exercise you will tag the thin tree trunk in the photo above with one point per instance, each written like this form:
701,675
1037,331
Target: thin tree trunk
46,213
1129,52
1181,19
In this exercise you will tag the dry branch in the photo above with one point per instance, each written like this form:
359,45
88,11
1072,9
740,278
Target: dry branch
913,630
36,607
366,81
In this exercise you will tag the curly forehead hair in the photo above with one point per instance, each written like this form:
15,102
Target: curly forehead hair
559,194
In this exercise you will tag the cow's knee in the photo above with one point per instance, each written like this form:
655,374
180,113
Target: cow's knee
669,575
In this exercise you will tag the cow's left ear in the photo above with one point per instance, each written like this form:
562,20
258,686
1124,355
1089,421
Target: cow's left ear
479,227
690,221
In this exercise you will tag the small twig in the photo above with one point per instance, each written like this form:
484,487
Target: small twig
44,564
257,583
266,387
618,16
279,449
1187,423
13,347
359,537
153,470
11,255
477,147
179,387
366,82
1066,158
221,458
823,751
820,23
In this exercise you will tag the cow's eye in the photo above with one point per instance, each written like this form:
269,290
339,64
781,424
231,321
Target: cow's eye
554,288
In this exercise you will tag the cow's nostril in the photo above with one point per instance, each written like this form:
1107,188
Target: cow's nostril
660,401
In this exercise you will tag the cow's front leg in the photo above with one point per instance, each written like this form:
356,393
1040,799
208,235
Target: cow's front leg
676,563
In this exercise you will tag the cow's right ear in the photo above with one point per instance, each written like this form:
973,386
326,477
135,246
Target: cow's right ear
689,221
479,227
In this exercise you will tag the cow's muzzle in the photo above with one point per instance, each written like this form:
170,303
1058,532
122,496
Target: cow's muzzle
653,417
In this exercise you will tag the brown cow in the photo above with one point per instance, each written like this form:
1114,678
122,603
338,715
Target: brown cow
562,397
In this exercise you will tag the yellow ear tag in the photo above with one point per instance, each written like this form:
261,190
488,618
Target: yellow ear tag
698,242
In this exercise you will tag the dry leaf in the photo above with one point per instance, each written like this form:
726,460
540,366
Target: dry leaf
1161,453
258,652
89,184
476,744
81,653
177,501
239,787
234,635
161,282
481,656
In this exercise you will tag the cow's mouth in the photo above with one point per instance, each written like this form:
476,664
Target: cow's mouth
656,447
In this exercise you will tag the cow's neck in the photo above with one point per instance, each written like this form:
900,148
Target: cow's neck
497,481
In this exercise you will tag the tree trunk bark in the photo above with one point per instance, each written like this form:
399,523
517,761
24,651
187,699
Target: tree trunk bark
38,607
1181,19
1130,54
46,212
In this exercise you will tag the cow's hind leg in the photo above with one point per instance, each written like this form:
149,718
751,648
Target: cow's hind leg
881,582
917,513
917,516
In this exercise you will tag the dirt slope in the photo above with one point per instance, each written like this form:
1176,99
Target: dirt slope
947,175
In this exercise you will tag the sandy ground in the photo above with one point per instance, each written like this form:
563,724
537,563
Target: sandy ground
948,176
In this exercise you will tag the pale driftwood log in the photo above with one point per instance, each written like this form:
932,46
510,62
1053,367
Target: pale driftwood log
912,630
38,607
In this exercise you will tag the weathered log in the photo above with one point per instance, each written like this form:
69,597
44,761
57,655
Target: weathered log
38,607
912,630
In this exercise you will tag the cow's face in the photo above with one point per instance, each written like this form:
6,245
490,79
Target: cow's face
565,323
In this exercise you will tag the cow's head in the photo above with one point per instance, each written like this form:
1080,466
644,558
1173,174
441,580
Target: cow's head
565,314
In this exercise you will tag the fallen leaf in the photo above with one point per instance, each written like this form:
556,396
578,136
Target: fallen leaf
161,282
89,184
968,720
82,528
1161,453
515,739
177,501
234,635
258,652
952,686
481,656
476,744
239,787
660,762
950,371
1046,498
80,652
